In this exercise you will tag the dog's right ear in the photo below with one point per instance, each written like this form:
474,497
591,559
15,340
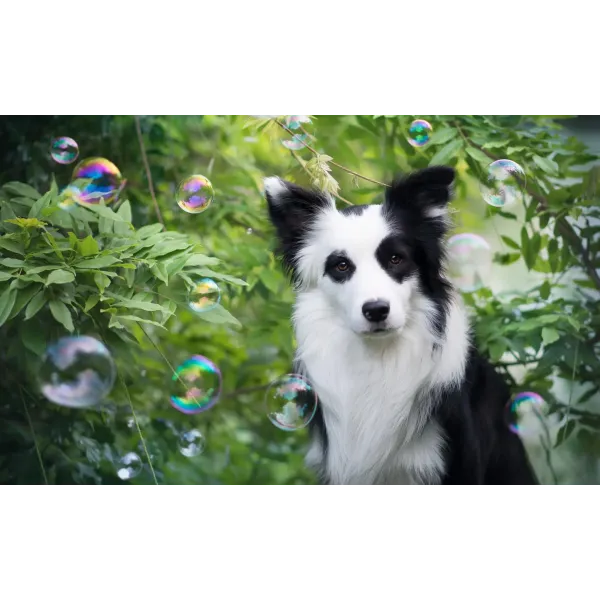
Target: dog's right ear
292,208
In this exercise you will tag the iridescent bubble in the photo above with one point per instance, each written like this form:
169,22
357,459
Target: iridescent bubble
195,194
505,182
527,415
191,443
129,466
77,372
96,179
195,385
296,143
469,261
64,150
204,296
295,121
249,231
291,402
68,198
419,133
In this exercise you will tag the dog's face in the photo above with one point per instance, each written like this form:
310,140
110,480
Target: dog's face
371,262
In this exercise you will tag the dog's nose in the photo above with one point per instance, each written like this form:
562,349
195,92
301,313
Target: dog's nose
376,310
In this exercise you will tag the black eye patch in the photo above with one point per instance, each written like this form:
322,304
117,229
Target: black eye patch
395,258
338,267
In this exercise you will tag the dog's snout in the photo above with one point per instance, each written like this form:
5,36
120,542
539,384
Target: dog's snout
376,310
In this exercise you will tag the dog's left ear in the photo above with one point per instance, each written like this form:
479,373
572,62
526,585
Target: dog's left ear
428,190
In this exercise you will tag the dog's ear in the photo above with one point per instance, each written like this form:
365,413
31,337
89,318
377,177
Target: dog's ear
292,208
428,190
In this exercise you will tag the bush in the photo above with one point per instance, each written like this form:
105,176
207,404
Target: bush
91,271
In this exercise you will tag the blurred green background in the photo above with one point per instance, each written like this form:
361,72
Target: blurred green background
537,318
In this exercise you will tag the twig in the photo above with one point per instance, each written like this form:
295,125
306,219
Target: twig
331,162
34,437
147,167
563,225
310,175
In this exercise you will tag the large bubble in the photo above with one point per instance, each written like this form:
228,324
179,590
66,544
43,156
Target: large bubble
195,194
93,180
505,182
291,402
195,385
205,295
77,372
64,150
469,261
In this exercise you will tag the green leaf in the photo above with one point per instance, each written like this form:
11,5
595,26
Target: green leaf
117,318
549,335
447,152
102,281
545,290
168,247
508,258
96,263
478,155
4,276
104,212
12,262
149,230
200,260
553,254
271,279
564,432
7,243
137,305
88,246
510,242
545,164
125,211
441,136
526,249
23,297
62,314
37,302
505,215
59,277
21,189
159,271
218,315
7,301
39,205
228,278
33,337
91,302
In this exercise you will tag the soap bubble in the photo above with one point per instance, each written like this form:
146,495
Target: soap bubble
505,182
249,231
195,194
527,415
295,121
469,261
129,466
195,385
95,179
419,133
64,150
77,372
296,143
291,402
205,295
191,443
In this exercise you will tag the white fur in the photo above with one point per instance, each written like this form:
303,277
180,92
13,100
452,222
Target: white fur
275,187
372,390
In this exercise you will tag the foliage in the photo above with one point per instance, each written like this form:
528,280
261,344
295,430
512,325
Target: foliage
91,271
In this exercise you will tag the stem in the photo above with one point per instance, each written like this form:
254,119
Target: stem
138,129
37,449
565,228
331,162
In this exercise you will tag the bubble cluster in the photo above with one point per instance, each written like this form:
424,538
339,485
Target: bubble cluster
296,143
93,180
505,182
527,415
64,150
129,466
469,261
194,194
205,295
295,121
77,372
291,402
195,385
191,443
419,133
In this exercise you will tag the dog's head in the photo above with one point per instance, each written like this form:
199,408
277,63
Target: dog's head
369,262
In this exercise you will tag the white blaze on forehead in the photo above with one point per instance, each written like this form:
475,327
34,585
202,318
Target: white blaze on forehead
358,235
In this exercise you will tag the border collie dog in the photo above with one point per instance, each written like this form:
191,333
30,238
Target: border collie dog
404,397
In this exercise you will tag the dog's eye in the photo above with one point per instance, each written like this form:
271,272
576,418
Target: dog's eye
396,260
342,266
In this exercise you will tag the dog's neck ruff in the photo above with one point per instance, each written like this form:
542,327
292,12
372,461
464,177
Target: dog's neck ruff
377,395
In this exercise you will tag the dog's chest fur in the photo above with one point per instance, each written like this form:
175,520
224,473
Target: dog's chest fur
376,397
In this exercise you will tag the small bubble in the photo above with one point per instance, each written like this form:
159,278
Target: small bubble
419,133
129,466
64,150
296,143
191,443
527,415
505,182
195,385
194,194
249,231
205,295
291,402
